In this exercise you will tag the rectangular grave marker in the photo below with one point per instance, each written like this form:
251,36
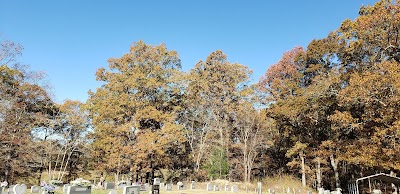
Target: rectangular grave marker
168,187
216,187
35,189
109,185
79,190
234,189
209,187
131,190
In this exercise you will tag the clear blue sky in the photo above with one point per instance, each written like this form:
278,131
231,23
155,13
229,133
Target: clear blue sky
71,39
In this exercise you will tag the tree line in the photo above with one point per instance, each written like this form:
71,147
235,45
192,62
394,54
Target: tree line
328,113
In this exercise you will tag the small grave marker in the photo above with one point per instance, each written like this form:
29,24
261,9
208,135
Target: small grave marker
35,189
209,187
168,187
234,189
216,187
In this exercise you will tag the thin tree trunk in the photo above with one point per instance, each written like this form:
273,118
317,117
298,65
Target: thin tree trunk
303,170
318,169
335,170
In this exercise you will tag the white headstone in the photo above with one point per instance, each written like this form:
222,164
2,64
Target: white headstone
209,187
131,190
192,185
65,188
157,181
259,188
216,187
168,187
180,185
19,188
35,189
162,185
234,189
226,187
112,192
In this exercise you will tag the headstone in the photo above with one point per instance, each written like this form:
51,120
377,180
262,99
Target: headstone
327,192
162,185
112,192
65,188
109,185
234,189
216,187
259,188
376,191
128,183
226,188
35,189
168,187
2,190
131,190
79,190
18,189
309,192
321,190
273,192
146,186
192,185
121,185
180,186
157,181
209,187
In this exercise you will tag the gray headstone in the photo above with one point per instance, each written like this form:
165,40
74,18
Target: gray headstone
209,187
79,190
122,185
128,183
131,190
309,192
65,188
234,189
35,189
109,185
216,187
168,187
192,185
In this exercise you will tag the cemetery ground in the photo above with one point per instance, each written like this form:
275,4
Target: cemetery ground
280,184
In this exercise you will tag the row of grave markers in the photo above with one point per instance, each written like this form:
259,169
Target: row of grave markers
137,188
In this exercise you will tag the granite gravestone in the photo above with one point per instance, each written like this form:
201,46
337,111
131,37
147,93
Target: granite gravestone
65,188
209,187
131,190
79,190
234,189
35,189
109,186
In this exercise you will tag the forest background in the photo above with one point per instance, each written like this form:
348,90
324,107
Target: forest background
328,113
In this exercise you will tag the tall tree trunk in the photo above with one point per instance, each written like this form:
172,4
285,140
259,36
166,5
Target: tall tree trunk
335,170
303,170
318,172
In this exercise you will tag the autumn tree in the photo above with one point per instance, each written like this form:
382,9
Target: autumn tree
134,112
210,96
